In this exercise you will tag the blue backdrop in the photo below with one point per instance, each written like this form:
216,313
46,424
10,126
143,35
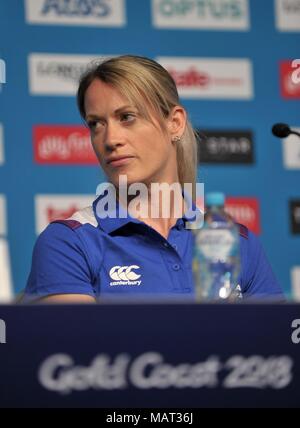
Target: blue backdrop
266,179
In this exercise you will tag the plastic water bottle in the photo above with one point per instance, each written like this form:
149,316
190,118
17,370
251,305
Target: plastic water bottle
216,262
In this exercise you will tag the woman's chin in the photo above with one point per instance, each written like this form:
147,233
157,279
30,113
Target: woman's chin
126,179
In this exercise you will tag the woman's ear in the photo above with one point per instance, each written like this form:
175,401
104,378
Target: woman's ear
177,122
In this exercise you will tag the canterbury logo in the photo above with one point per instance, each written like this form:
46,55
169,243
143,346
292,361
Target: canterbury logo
124,275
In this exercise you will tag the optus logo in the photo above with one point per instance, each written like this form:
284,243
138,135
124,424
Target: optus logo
214,8
204,14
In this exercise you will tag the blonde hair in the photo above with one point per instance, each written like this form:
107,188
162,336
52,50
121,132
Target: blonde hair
145,83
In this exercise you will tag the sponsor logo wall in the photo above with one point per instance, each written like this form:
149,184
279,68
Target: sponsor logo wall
236,65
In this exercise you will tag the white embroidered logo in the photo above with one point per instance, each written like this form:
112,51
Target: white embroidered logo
124,275
238,292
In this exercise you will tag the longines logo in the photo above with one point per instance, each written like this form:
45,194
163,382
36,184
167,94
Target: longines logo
55,74
124,275
2,331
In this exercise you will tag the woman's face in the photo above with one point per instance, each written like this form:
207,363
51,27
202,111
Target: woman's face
124,142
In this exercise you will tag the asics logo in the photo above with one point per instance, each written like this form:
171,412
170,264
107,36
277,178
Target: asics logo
124,275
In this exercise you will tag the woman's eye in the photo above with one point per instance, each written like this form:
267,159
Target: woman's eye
93,124
127,117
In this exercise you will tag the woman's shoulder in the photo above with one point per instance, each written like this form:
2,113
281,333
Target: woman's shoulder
65,234
78,219
257,277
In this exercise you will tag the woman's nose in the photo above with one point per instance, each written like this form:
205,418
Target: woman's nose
113,135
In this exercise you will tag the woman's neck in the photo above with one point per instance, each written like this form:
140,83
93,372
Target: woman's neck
159,206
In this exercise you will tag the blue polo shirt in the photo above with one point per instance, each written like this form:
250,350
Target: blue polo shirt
107,257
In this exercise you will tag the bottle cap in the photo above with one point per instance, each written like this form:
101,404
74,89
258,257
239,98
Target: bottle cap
215,199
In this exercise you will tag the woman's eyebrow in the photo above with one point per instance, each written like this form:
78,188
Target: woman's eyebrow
116,112
126,107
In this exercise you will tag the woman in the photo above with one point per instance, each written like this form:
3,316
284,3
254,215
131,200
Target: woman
140,132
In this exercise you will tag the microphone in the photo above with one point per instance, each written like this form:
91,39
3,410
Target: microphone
282,130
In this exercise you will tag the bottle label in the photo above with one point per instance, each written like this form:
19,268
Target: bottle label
215,244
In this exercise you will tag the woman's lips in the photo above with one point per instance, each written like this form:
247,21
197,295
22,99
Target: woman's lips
120,162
